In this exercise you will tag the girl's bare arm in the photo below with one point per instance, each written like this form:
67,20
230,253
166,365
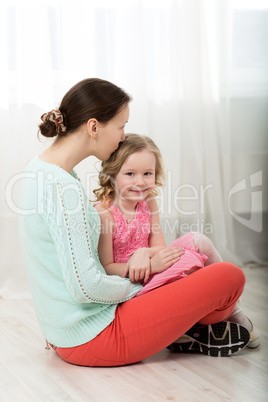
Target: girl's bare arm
105,246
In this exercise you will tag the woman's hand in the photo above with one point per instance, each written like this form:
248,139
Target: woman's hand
138,267
164,258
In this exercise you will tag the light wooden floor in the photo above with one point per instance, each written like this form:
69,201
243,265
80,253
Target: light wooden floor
28,372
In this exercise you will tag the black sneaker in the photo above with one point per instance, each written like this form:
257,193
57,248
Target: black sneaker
221,339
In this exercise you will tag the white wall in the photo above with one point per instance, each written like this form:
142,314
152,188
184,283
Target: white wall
249,128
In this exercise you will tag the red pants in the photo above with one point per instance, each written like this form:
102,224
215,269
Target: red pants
147,324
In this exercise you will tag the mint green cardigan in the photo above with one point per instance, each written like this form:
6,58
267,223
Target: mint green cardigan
74,298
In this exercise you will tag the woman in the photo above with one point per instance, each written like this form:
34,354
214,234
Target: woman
88,317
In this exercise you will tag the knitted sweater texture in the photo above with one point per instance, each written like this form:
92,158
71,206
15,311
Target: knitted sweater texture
74,298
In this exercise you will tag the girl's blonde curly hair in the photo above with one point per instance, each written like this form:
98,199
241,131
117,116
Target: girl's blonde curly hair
110,168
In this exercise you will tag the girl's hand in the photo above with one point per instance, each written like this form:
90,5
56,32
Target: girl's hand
138,267
164,258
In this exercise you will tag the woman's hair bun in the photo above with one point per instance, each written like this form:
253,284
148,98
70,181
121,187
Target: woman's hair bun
52,124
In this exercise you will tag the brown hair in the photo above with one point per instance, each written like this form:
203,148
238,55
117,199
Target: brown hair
110,168
90,98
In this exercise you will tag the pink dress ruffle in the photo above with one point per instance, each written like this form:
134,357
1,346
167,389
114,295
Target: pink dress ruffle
190,259
128,237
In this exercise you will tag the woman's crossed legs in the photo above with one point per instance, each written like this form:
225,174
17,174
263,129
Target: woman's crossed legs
147,324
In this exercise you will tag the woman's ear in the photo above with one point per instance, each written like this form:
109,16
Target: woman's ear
92,127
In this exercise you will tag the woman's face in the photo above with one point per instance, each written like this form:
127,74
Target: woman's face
111,134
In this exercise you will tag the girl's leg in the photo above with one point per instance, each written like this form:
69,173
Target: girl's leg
186,241
145,325
199,243
205,246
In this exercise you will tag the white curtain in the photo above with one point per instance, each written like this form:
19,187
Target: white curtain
174,57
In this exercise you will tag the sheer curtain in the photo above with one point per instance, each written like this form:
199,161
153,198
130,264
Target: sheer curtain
172,56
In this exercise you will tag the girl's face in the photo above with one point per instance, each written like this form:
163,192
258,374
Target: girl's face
136,178
111,134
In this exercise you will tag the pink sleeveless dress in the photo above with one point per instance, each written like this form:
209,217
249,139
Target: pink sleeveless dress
128,237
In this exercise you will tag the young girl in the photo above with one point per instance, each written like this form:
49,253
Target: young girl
130,219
